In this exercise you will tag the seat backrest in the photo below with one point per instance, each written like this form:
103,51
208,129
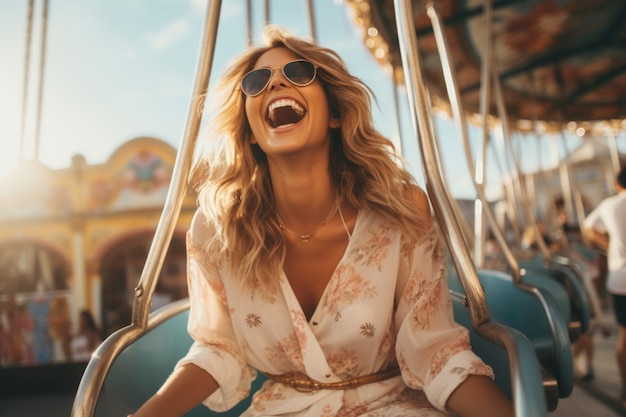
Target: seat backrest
578,300
572,274
538,277
515,366
141,369
534,313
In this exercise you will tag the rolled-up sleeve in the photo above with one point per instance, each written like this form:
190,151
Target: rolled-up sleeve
433,351
215,348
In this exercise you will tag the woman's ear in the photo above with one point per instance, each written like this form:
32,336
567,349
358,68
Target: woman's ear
334,122
253,140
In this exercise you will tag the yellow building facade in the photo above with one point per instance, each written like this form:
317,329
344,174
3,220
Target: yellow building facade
76,239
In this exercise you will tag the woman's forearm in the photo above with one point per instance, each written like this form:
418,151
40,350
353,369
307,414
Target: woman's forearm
479,396
601,240
185,388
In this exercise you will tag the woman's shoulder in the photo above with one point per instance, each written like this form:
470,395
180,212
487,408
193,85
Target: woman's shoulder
411,213
422,215
200,230
419,199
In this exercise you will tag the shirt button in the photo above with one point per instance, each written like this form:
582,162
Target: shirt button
315,323
327,375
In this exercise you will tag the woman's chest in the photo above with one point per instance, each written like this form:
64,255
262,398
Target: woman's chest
309,268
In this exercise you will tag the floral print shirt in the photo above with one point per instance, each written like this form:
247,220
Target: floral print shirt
387,304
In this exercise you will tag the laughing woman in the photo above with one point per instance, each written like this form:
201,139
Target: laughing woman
314,258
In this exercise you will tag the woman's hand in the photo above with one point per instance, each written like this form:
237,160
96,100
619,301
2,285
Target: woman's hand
185,388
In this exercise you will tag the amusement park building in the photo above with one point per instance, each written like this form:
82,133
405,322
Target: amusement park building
587,169
76,239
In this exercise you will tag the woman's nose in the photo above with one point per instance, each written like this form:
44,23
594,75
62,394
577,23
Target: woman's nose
277,79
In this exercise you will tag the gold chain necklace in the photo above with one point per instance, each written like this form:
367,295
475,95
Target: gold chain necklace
305,238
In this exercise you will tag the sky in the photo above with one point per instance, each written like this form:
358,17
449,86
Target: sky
120,69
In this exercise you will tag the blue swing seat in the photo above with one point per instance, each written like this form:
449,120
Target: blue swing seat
558,271
539,317
142,367
517,370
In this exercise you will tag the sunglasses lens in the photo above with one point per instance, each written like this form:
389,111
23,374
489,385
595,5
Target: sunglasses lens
300,73
255,81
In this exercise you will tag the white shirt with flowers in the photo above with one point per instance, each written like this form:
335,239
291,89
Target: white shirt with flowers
386,304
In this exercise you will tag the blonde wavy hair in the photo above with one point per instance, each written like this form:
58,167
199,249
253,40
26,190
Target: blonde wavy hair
232,178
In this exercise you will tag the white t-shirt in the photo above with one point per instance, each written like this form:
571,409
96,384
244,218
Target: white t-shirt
610,217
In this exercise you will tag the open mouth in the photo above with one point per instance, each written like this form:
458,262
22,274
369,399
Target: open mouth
284,112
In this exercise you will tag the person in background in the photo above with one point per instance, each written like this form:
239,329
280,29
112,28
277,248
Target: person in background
60,328
87,338
314,258
605,227
21,330
567,243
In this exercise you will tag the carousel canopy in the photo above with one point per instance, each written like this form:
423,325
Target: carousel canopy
558,60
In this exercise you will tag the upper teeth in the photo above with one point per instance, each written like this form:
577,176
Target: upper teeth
285,102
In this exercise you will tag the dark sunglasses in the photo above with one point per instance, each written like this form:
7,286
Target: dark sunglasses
299,72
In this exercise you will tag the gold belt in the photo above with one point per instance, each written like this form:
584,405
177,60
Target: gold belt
301,382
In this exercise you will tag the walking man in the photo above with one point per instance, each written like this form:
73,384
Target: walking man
605,227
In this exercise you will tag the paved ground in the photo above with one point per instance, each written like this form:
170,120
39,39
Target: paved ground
598,397
53,405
